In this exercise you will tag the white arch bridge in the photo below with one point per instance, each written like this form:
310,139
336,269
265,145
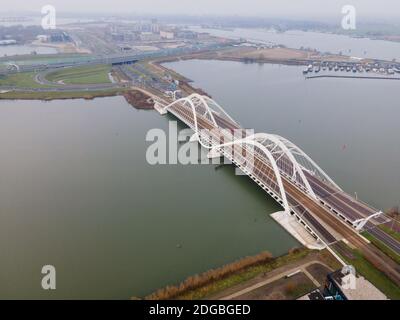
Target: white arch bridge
277,165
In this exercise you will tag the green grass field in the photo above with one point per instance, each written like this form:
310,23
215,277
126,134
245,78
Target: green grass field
82,75
22,80
391,232
54,95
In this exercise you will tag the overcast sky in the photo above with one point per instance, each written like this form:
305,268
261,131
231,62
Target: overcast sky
317,9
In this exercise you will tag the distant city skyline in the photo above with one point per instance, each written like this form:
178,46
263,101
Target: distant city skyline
300,9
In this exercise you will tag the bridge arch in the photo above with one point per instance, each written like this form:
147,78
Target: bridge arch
204,106
270,157
286,159
306,163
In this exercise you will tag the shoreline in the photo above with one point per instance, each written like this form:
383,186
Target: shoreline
234,276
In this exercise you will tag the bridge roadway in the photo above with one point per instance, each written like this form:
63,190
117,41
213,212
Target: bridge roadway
320,219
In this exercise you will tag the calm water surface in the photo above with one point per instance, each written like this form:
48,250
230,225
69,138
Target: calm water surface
324,42
77,193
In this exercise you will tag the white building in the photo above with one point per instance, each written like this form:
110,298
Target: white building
149,36
167,35
7,42
42,38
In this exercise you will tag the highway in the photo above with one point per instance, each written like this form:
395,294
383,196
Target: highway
116,59
385,238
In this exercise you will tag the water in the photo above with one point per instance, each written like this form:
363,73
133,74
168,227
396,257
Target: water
350,127
11,50
77,193
323,42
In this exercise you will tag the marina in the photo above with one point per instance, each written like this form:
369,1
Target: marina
375,70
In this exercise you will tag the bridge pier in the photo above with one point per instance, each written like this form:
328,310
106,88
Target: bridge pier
360,223
291,225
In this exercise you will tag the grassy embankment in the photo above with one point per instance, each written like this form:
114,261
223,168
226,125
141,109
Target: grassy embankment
157,67
384,248
43,58
216,280
78,76
391,232
21,80
50,95
81,75
371,273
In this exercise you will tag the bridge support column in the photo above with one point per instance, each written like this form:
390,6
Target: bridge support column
359,224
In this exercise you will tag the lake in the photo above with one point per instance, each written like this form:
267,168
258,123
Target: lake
77,193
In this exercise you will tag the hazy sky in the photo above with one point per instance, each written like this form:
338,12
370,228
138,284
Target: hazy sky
317,9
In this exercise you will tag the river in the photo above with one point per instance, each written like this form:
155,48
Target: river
323,42
77,193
